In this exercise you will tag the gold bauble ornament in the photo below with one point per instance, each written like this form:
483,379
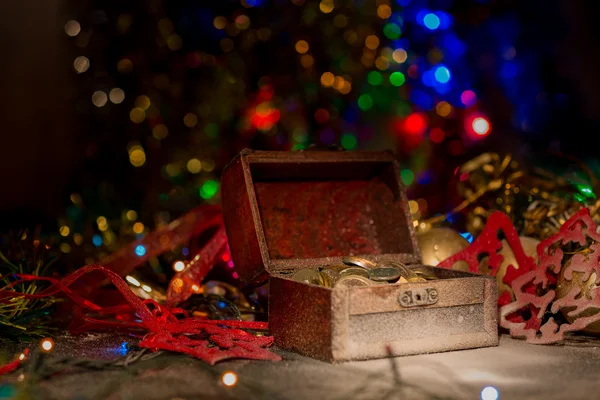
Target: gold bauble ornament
438,244
564,286
529,245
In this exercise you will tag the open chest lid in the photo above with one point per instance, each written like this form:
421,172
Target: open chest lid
289,210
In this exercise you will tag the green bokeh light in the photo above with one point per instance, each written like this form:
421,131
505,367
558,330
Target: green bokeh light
392,31
397,78
212,130
209,189
365,102
348,141
374,78
407,176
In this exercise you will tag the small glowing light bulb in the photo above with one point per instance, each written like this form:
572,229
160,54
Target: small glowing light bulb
481,126
22,357
489,393
47,344
229,378
178,266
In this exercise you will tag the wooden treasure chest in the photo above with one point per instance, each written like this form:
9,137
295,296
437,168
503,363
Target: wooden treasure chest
292,217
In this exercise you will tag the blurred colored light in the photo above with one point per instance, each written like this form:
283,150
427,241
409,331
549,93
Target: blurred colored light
437,135
302,46
397,78
322,115
190,120
348,141
140,250
509,70
384,11
131,215
138,227
327,79
81,64
220,22
116,95
229,379
137,115
326,6
442,74
468,98
443,108
481,126
72,28
365,102
137,157
97,240
64,230
99,98
374,78
372,42
307,61
407,177
399,55
431,21
160,131
391,31
415,124
178,266
209,189
489,393
194,166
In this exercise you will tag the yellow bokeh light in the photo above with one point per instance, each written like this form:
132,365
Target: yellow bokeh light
384,11
367,60
137,157
327,79
78,239
194,165
232,29
208,165
443,108
302,46
242,21
160,131
178,266
65,247
340,21
124,22
174,42
346,88
382,63
142,102
372,42
99,98
131,215
307,61
229,379
64,230
338,82
399,55
350,36
220,22
22,356
190,120
72,28
138,227
81,64
125,66
137,115
326,6
47,344
413,206
116,95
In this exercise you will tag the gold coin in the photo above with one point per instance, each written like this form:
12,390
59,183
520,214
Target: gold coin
425,273
308,275
330,277
344,270
353,281
358,261
403,269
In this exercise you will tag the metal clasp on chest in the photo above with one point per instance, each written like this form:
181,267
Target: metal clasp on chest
418,297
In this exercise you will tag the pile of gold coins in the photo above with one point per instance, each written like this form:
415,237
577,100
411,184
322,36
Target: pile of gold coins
357,271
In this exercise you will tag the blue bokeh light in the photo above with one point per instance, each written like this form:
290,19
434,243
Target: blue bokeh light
140,250
442,74
431,21
97,240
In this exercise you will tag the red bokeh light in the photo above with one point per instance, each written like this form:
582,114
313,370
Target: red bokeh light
415,124
437,135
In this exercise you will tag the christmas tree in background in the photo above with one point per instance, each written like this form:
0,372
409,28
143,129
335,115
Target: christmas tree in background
169,92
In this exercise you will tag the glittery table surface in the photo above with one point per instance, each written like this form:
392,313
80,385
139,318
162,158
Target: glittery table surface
516,369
